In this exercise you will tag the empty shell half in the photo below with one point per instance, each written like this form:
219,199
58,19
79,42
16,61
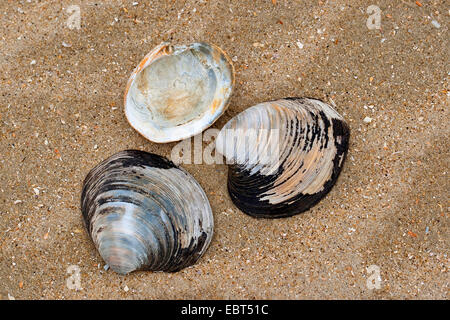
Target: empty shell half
284,155
144,213
178,91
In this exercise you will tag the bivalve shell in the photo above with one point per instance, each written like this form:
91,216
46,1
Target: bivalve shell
284,155
144,213
178,91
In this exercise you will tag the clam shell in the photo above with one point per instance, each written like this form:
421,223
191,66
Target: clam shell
178,91
284,155
144,213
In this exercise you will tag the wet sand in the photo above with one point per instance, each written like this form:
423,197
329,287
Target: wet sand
61,112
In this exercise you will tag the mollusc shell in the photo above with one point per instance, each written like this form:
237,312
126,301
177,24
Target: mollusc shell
144,213
284,155
177,92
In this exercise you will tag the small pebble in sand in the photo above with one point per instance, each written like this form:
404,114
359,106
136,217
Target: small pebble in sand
229,211
106,267
33,62
10,297
126,289
412,234
420,119
18,201
436,24
300,45
66,45
367,120
36,191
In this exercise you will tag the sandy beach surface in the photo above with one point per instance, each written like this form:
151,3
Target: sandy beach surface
381,233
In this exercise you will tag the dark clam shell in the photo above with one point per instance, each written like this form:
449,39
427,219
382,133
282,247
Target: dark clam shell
144,213
285,155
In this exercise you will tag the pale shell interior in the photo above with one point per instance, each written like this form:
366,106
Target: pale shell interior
178,91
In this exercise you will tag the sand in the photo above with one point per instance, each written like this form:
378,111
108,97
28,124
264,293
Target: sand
61,112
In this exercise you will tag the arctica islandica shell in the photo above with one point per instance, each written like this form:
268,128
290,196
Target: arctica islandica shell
284,155
144,213
177,91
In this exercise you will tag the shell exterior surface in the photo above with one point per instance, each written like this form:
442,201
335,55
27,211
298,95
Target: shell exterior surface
284,155
178,91
144,213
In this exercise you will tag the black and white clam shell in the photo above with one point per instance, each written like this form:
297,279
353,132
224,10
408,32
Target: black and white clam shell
284,156
145,213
